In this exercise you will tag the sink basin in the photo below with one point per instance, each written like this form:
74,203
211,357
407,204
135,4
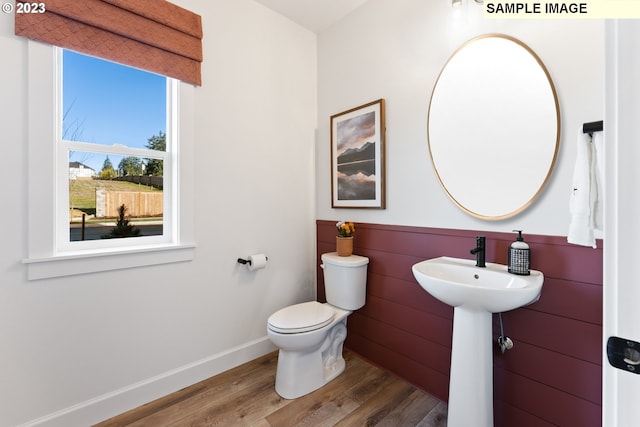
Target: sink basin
475,293
458,282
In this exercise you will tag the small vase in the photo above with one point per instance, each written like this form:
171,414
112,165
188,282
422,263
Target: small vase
344,245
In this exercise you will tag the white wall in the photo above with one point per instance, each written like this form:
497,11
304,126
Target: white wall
82,348
395,50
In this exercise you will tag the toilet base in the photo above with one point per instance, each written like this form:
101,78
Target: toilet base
300,373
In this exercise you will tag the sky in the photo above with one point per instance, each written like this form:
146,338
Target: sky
108,103
356,131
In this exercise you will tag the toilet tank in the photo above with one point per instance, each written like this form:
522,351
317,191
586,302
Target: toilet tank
345,280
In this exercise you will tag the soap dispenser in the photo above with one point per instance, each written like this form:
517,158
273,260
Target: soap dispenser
519,256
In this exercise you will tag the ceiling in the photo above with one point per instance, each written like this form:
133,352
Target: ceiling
315,15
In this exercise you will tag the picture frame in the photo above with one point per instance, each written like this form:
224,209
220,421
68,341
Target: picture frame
358,157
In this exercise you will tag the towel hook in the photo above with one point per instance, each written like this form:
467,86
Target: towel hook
591,127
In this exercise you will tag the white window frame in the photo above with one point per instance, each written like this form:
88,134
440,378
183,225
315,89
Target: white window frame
51,254
64,147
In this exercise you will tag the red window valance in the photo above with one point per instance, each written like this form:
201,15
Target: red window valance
153,35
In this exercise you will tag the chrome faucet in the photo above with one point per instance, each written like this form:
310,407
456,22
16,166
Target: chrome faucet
478,251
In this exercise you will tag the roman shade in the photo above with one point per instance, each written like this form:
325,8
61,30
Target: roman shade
153,35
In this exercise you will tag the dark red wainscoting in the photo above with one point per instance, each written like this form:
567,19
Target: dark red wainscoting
552,376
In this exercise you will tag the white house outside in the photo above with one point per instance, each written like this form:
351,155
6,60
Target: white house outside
78,170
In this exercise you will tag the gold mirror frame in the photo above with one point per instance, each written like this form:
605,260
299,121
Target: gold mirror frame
493,127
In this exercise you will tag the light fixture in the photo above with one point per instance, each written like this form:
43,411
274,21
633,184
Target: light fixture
456,3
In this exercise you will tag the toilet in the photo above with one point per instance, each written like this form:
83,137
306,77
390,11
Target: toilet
310,335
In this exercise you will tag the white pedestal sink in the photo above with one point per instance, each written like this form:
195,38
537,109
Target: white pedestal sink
475,293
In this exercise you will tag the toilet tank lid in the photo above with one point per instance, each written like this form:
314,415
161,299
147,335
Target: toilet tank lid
344,261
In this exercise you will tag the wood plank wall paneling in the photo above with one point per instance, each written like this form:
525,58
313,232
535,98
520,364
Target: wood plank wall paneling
552,376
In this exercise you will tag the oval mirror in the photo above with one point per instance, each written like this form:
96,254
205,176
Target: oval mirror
493,127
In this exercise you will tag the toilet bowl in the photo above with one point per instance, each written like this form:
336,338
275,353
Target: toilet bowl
310,335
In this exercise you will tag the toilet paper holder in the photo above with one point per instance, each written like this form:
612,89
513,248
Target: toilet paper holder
247,261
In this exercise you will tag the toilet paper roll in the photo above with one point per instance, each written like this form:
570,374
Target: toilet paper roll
258,261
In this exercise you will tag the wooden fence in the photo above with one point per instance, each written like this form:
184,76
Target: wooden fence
138,203
152,181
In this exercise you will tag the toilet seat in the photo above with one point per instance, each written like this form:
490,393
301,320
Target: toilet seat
298,318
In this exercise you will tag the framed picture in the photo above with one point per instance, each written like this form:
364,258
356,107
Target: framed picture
357,157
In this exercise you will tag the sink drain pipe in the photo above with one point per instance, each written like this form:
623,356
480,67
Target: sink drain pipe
504,342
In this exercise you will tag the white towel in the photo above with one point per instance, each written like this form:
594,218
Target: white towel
597,156
584,193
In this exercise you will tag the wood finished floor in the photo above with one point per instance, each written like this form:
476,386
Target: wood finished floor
363,395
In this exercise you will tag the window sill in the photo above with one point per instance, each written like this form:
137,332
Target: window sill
92,262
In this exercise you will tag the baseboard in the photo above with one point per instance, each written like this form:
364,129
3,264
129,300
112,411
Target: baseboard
103,407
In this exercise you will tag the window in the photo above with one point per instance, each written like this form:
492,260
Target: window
64,145
114,138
